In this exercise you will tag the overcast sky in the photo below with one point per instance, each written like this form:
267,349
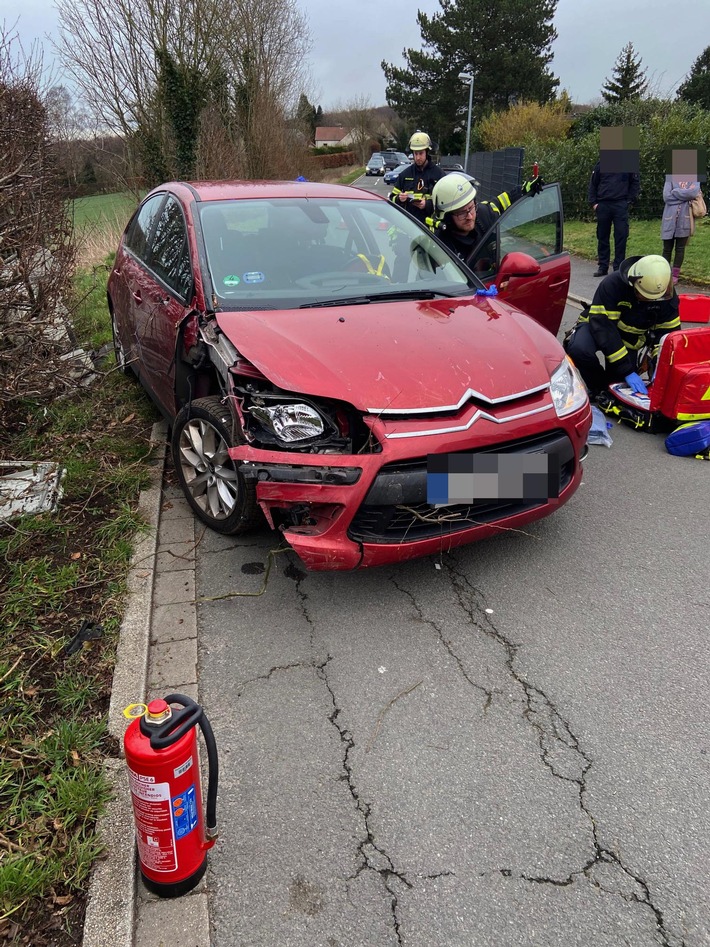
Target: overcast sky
348,46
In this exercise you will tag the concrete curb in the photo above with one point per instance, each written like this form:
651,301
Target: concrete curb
577,300
110,911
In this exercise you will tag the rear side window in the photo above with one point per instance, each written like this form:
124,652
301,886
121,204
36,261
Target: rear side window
170,257
140,229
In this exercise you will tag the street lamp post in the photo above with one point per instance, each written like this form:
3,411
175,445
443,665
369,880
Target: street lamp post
467,77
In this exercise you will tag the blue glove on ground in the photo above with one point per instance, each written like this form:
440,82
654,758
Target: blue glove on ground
636,384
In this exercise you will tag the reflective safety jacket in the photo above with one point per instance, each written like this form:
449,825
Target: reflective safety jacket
621,322
487,213
417,183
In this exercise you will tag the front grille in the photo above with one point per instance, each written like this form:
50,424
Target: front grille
395,508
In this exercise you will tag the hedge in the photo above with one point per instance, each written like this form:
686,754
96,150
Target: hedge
663,125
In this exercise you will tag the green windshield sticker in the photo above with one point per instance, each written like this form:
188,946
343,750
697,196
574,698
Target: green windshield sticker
231,281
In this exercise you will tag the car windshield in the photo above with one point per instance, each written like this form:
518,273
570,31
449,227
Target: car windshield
292,252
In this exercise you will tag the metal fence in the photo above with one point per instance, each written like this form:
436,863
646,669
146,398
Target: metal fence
495,171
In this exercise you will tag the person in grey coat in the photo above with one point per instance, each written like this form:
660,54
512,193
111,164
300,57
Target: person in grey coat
676,223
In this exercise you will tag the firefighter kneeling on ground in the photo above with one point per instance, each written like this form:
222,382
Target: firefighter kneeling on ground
460,221
633,308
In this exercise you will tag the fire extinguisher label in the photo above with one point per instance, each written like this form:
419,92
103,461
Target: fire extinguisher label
154,824
185,812
183,768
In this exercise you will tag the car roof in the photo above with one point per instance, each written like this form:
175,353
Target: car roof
260,190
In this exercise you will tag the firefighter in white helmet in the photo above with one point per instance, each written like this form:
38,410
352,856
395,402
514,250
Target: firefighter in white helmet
414,186
632,308
460,221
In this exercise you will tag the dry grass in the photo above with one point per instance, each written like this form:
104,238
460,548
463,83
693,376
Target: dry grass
96,242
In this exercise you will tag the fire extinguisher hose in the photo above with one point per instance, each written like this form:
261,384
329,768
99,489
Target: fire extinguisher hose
194,714
211,811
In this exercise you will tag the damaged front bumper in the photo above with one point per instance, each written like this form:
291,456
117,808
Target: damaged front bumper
342,512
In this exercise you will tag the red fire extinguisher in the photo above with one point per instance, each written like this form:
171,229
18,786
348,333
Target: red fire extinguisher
164,773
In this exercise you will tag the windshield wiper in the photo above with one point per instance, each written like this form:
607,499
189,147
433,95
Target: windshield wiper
379,297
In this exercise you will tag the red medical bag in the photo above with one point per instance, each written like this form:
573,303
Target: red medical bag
680,389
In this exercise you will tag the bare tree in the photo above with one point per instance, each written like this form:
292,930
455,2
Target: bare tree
148,67
359,116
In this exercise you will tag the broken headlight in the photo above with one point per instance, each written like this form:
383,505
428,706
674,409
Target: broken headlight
290,423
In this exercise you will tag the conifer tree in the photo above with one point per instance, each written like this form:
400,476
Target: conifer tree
696,87
507,45
628,79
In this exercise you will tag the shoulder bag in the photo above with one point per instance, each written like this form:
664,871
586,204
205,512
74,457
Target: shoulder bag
698,207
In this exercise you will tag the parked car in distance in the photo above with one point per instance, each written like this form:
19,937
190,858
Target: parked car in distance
376,165
392,175
329,368
393,158
448,168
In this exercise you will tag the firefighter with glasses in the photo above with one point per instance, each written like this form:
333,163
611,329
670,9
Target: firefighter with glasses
632,309
414,186
460,221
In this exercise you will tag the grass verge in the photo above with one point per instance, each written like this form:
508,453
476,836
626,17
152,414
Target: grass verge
59,571
99,222
644,237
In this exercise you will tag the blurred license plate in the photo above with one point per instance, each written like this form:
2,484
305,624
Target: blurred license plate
454,479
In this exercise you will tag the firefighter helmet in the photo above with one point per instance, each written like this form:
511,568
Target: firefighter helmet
420,141
650,276
452,192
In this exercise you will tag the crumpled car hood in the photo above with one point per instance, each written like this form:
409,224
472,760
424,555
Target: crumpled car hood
398,355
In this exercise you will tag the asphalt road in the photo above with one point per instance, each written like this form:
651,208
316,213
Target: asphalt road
507,745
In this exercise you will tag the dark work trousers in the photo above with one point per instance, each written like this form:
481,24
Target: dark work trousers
582,349
608,213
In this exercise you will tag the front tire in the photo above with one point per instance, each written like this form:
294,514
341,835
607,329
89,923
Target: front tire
211,481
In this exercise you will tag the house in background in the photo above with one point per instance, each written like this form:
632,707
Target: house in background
333,135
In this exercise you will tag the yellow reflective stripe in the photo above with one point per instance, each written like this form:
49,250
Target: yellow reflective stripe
370,268
634,346
504,200
692,417
396,190
673,324
584,319
599,310
634,330
618,355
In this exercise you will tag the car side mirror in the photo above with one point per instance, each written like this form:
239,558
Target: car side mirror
513,264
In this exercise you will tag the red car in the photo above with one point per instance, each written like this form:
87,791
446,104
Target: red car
326,363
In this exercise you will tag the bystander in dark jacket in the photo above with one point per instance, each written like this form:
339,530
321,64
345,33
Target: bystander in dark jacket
611,193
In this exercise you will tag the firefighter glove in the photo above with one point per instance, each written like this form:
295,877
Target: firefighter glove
636,384
533,186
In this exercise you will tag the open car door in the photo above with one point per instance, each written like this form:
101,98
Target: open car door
533,226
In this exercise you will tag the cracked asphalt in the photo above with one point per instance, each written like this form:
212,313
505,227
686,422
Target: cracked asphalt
506,745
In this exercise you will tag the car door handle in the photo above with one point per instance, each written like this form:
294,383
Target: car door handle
560,282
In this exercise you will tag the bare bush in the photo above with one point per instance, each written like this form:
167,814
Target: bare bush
36,252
